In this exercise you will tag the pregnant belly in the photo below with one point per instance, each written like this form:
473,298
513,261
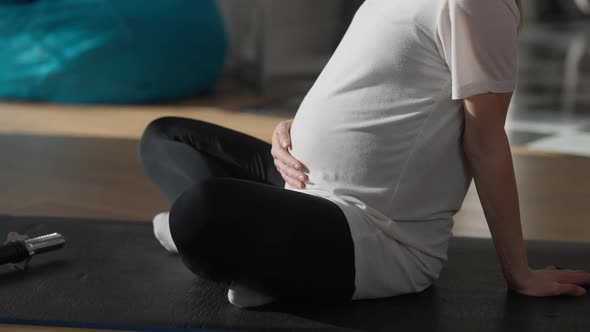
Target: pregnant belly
354,154
343,161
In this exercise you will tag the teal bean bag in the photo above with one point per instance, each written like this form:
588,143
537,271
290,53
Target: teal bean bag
101,51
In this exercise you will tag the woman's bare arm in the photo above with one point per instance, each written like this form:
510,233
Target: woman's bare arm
488,153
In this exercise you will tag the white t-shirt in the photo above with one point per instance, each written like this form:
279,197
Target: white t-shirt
380,132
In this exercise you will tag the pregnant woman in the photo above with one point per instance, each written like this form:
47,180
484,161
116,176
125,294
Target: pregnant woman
356,197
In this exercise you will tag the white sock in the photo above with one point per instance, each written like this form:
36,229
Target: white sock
244,297
162,231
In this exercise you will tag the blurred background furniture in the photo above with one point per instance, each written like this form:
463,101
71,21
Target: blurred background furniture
275,39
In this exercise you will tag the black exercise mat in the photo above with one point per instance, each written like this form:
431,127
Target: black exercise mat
116,275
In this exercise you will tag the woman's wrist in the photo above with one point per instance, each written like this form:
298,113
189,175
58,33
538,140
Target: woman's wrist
516,278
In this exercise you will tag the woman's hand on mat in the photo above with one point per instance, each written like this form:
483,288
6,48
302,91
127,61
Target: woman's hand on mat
290,168
551,282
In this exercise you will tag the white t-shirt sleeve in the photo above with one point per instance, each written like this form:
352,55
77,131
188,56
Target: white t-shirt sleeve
478,39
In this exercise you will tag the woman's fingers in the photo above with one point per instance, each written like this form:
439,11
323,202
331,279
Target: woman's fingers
293,183
288,159
291,169
284,156
283,133
569,289
573,277
291,176
288,180
553,281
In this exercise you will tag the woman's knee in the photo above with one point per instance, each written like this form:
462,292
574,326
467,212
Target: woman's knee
155,131
190,216
167,128
198,217
196,233
153,136
159,128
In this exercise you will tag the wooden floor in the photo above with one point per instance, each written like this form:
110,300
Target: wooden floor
81,161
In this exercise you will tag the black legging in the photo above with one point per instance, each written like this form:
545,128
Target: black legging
232,220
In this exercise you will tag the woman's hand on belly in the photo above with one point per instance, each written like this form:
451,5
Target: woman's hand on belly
290,168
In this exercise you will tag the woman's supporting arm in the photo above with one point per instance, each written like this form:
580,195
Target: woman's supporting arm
488,153
490,160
